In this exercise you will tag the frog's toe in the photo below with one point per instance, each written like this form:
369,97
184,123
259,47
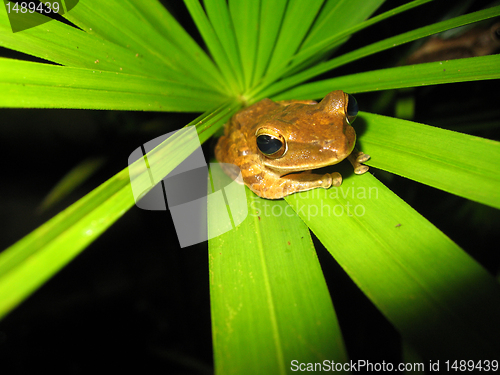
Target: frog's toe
361,169
362,157
356,158
336,179
325,181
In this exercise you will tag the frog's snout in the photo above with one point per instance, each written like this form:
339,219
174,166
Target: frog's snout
332,145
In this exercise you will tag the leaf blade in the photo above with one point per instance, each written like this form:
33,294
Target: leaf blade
434,73
66,45
31,261
413,273
328,44
271,17
218,13
212,42
458,163
377,47
337,16
260,323
147,28
296,23
245,18
33,85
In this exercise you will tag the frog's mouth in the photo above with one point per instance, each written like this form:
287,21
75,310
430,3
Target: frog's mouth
301,168
302,157
305,162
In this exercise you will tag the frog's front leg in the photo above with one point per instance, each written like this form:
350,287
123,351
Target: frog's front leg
356,158
277,187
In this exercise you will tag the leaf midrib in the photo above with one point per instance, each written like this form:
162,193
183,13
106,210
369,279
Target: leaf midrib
270,300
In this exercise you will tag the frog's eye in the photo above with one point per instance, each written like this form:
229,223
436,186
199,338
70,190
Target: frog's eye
270,145
352,108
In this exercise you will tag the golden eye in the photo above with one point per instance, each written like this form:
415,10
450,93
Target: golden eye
352,109
271,145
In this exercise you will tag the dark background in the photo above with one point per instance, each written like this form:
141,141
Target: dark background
133,300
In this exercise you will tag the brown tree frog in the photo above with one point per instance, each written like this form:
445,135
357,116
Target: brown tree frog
474,42
271,141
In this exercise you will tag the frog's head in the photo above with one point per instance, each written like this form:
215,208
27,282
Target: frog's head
300,137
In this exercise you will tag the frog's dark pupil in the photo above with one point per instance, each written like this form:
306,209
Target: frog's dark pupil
268,145
352,108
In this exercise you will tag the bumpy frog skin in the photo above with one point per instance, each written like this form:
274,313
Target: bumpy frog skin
271,141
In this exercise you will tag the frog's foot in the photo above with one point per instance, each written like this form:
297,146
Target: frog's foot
306,181
356,158
336,178
280,186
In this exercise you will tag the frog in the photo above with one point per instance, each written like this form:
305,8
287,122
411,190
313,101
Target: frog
277,144
474,42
